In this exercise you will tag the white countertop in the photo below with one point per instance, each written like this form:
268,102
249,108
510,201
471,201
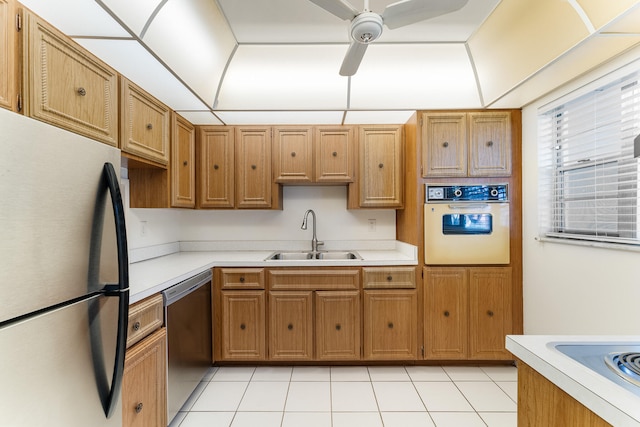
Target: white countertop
602,396
150,276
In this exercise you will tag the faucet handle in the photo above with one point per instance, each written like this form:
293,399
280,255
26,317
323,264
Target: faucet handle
319,243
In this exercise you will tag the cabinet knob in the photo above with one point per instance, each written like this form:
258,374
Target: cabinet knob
445,144
139,407
149,126
81,91
338,327
390,325
293,154
136,326
243,326
389,278
446,313
216,167
334,154
489,143
489,313
290,326
242,279
381,165
253,167
184,163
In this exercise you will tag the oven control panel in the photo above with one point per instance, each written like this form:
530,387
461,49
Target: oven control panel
466,193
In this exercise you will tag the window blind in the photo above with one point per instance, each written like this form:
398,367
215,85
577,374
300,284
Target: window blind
588,176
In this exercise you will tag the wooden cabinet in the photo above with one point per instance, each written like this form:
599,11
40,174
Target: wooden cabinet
314,314
468,312
390,313
334,154
66,86
145,124
144,385
216,171
293,154
240,304
8,55
254,184
183,163
460,144
381,167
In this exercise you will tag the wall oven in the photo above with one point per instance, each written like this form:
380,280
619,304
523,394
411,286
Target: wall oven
466,224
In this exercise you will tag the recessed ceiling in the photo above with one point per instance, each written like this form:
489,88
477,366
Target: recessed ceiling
277,61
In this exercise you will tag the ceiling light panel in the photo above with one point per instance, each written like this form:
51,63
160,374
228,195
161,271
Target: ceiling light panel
77,17
414,76
135,63
285,77
200,117
281,117
134,14
602,12
193,38
377,117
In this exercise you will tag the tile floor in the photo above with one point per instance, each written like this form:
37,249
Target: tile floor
354,396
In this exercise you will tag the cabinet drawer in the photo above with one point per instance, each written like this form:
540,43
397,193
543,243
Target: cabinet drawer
389,277
144,317
314,279
242,278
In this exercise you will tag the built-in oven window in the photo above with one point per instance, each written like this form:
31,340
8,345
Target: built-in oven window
455,224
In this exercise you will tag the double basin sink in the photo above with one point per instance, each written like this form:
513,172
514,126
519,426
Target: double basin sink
309,255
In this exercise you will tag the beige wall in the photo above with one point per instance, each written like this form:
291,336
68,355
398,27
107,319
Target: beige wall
574,289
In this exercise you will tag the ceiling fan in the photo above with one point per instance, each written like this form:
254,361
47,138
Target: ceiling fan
366,26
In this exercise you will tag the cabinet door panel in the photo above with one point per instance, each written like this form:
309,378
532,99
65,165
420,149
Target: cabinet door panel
183,167
292,155
390,319
253,167
444,140
490,312
381,166
334,154
8,56
243,325
337,325
490,144
216,185
446,305
290,325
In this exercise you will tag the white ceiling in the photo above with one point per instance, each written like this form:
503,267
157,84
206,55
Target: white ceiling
277,61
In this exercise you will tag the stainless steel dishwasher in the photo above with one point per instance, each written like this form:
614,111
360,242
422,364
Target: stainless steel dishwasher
187,313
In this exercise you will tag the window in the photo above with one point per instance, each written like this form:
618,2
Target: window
588,174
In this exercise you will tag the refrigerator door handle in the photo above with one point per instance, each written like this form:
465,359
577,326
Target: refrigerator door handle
120,290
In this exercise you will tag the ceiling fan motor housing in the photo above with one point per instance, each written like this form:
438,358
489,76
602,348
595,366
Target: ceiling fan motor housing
366,27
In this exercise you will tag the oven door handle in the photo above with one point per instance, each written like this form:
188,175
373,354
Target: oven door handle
469,206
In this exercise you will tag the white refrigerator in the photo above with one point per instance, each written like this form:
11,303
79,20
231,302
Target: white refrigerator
63,278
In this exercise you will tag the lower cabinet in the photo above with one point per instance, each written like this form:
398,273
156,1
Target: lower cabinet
337,323
291,325
243,325
468,312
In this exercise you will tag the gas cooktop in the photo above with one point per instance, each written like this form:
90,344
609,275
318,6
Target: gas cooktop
619,363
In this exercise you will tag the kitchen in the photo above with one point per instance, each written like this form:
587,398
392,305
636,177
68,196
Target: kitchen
553,274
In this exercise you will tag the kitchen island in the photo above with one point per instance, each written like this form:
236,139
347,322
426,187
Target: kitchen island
610,402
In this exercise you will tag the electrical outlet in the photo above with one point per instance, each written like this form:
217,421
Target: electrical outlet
372,225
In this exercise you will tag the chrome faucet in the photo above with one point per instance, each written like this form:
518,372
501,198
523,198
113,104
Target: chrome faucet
314,239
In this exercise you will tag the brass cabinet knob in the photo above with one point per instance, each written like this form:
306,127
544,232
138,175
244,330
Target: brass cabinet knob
381,165
149,126
243,326
184,163
139,407
445,144
253,167
334,154
389,278
489,313
290,326
489,143
216,167
446,313
136,326
390,325
293,154
81,91
338,327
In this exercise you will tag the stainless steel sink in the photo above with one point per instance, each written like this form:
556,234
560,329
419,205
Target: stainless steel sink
326,255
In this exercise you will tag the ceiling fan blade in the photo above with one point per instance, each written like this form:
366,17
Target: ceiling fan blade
353,58
339,8
407,12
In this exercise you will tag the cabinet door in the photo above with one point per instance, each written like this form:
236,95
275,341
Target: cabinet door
381,167
290,325
66,86
293,155
144,385
145,124
183,163
444,144
243,325
253,167
216,183
390,319
337,325
8,56
334,154
490,144
490,312
446,306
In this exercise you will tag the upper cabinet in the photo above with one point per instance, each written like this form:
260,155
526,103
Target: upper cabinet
216,172
8,55
66,86
145,124
334,154
381,166
459,144
183,163
253,167
293,155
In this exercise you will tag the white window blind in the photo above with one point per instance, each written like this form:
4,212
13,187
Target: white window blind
588,177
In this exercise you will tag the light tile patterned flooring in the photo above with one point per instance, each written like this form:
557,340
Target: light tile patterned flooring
354,396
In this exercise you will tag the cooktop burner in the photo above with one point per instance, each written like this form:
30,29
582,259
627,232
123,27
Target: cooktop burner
627,365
